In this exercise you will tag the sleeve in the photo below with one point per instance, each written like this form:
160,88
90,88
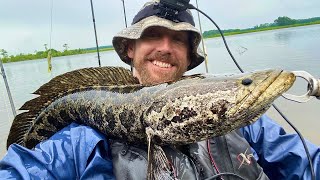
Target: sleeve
281,155
75,152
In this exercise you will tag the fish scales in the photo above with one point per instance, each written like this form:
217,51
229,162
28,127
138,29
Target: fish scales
114,111
191,109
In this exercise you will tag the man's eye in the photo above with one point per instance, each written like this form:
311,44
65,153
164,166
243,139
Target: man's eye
151,35
179,39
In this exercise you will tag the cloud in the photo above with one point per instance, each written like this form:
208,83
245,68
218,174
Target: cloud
25,25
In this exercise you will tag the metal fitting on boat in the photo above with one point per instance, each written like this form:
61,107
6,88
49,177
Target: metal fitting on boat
313,88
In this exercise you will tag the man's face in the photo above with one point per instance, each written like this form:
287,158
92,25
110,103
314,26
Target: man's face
160,55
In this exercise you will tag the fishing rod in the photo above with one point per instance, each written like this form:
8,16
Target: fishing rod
49,56
95,32
125,23
202,42
172,9
3,73
124,13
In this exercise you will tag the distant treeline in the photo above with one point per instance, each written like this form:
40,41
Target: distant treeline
100,47
280,22
44,54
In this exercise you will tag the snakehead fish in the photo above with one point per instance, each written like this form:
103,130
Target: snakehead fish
112,101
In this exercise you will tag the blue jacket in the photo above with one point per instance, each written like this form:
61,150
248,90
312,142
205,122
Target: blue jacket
80,152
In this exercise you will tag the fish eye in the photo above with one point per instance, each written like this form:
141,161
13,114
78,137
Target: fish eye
246,81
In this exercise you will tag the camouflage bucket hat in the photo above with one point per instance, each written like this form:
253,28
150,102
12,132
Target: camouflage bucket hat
146,18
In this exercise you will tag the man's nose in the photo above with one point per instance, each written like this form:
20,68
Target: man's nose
165,44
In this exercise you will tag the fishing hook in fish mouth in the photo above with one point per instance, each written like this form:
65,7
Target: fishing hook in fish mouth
313,88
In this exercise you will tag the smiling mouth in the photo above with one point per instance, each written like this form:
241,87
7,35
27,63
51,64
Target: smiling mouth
161,64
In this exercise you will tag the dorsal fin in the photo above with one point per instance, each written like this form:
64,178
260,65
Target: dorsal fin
94,76
61,85
81,78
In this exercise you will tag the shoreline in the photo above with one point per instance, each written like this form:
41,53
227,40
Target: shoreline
248,31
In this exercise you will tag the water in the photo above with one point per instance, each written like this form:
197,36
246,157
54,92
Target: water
290,49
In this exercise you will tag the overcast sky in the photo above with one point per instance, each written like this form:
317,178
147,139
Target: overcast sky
25,25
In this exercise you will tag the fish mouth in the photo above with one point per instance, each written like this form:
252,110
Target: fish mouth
282,83
260,98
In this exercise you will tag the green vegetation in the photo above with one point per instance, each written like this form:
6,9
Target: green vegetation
44,54
279,23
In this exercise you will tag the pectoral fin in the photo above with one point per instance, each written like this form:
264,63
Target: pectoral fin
158,164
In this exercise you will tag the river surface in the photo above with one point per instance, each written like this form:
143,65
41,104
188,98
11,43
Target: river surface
289,49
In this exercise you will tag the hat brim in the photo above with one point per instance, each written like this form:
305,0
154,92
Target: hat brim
133,32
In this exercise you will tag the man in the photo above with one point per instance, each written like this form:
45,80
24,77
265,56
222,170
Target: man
162,50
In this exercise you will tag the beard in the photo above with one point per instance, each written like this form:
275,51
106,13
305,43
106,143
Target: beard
148,77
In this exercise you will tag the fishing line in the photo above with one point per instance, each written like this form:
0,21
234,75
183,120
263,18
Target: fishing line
287,120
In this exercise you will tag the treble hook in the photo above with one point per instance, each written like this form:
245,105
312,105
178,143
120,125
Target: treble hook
313,88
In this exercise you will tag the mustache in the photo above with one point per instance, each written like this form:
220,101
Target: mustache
167,57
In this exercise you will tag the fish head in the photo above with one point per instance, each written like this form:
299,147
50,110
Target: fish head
198,107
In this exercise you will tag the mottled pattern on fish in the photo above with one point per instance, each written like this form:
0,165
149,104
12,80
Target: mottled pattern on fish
111,100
